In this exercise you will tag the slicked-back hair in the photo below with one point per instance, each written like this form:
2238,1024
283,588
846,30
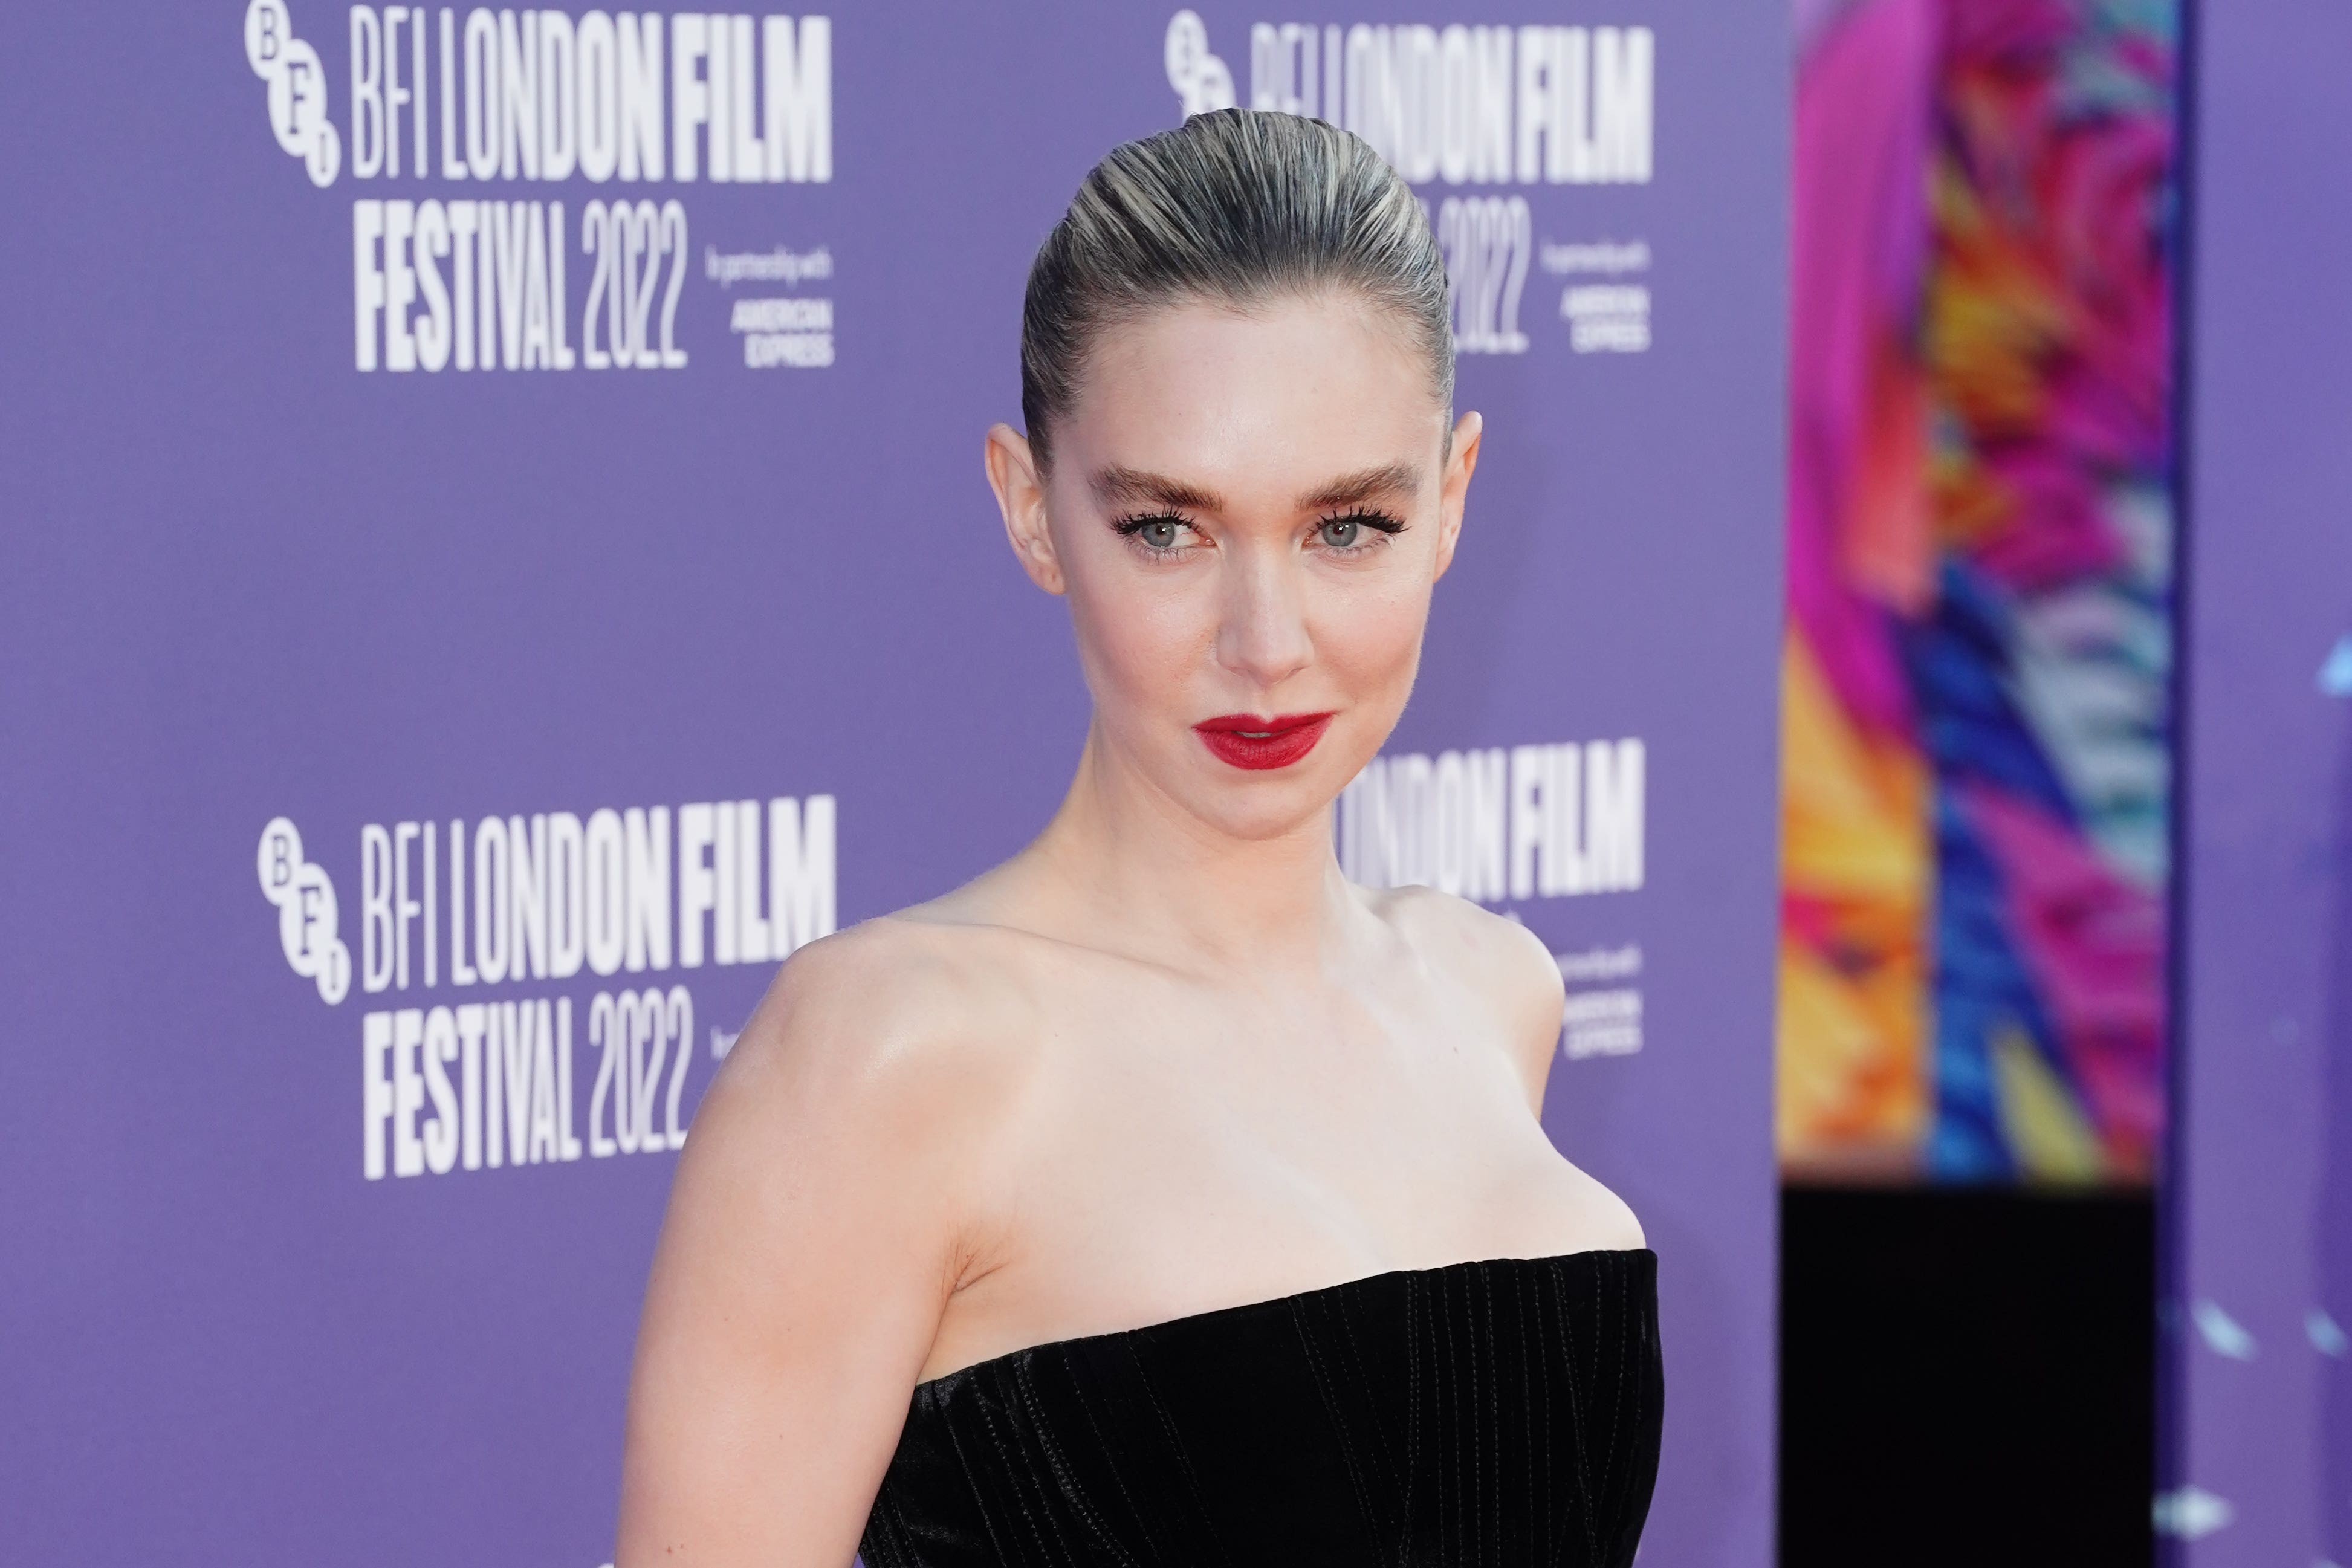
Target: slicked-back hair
1238,208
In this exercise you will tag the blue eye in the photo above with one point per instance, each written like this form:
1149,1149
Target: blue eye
1162,534
1357,533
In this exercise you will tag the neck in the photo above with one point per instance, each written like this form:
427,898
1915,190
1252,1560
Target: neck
1184,892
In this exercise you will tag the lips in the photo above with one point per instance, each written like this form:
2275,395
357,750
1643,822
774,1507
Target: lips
1248,740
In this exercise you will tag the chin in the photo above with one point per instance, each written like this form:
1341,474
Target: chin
1257,808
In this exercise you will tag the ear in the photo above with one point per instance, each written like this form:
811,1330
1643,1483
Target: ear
1021,496
1454,490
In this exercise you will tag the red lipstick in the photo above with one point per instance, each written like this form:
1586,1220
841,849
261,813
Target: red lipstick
1247,740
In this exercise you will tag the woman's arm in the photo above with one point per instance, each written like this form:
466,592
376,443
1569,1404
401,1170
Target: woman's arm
810,1245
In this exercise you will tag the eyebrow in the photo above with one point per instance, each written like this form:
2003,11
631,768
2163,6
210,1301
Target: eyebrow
1119,485
1390,478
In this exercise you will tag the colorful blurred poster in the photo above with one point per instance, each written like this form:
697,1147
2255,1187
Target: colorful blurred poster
1977,722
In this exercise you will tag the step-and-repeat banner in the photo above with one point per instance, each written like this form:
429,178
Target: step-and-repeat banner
496,558
2258,1308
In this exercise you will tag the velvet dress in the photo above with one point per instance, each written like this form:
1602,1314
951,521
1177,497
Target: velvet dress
1495,1413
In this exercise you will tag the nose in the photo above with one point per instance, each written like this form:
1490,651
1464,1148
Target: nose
1262,635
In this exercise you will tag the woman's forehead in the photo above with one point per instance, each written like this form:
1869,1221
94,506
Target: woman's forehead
1295,393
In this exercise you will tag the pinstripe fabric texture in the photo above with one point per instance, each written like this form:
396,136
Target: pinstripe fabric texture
1496,1414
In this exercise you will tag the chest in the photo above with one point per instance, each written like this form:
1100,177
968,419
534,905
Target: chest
1337,1122
1227,1148
1181,1149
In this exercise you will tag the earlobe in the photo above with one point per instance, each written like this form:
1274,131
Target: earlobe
1021,497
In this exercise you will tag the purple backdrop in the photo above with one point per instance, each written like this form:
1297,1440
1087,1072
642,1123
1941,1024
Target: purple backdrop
313,1257
2261,1295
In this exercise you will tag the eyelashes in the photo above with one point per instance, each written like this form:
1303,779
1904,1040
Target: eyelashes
1156,533
1162,533
1343,532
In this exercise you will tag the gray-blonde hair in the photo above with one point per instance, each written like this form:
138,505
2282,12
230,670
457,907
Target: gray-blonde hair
1237,207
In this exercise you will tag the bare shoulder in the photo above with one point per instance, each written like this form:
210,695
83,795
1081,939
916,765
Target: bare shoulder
1496,957
845,1147
1519,980
891,1020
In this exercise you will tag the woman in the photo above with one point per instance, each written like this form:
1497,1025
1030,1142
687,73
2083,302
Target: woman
1160,1197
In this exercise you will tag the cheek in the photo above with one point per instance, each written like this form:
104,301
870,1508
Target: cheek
1367,635
1140,638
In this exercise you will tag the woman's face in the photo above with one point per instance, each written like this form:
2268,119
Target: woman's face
1248,513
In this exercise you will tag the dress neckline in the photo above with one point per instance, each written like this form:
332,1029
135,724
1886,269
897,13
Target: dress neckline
936,1386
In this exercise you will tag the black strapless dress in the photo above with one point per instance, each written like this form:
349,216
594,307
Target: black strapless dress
1498,1413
